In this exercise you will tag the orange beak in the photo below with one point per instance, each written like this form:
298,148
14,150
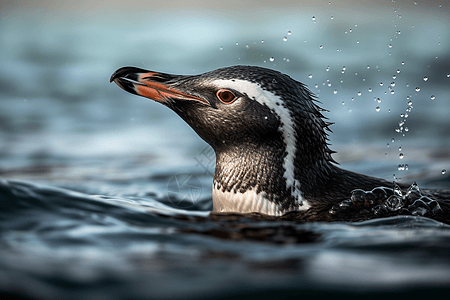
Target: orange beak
149,84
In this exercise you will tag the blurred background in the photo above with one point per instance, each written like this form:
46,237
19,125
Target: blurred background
382,68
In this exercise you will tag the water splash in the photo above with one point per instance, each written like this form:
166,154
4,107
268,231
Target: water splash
383,202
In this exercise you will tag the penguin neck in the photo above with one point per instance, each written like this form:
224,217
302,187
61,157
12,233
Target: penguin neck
250,178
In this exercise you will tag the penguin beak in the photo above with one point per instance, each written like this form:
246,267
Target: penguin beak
149,84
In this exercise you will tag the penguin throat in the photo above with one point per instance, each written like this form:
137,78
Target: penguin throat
250,178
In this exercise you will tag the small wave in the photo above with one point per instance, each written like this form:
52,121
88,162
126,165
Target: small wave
385,202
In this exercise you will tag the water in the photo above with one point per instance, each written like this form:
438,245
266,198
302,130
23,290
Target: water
88,208
72,245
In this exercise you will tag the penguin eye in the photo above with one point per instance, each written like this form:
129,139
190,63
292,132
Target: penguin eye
226,96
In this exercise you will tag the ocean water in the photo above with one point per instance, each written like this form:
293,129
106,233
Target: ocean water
107,195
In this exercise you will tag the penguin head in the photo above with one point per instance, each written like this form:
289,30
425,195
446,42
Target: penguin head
234,105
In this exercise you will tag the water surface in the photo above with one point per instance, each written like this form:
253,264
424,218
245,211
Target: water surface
88,206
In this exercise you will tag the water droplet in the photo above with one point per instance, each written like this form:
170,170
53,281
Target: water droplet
357,42
397,190
221,48
425,78
377,108
448,75
406,129
262,41
359,93
410,103
433,97
401,167
343,103
335,92
370,90
443,171
237,43
387,145
265,117
316,86
401,155
289,32
310,76
327,69
332,17
400,148
417,89
313,18
368,67
321,47
399,32
381,84
378,100
247,46
285,39
288,60
393,140
392,84
403,63
398,71
271,58
415,3
392,92
390,46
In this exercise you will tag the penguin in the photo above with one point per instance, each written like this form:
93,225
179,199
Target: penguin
269,136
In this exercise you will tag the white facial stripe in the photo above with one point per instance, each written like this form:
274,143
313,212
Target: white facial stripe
254,91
